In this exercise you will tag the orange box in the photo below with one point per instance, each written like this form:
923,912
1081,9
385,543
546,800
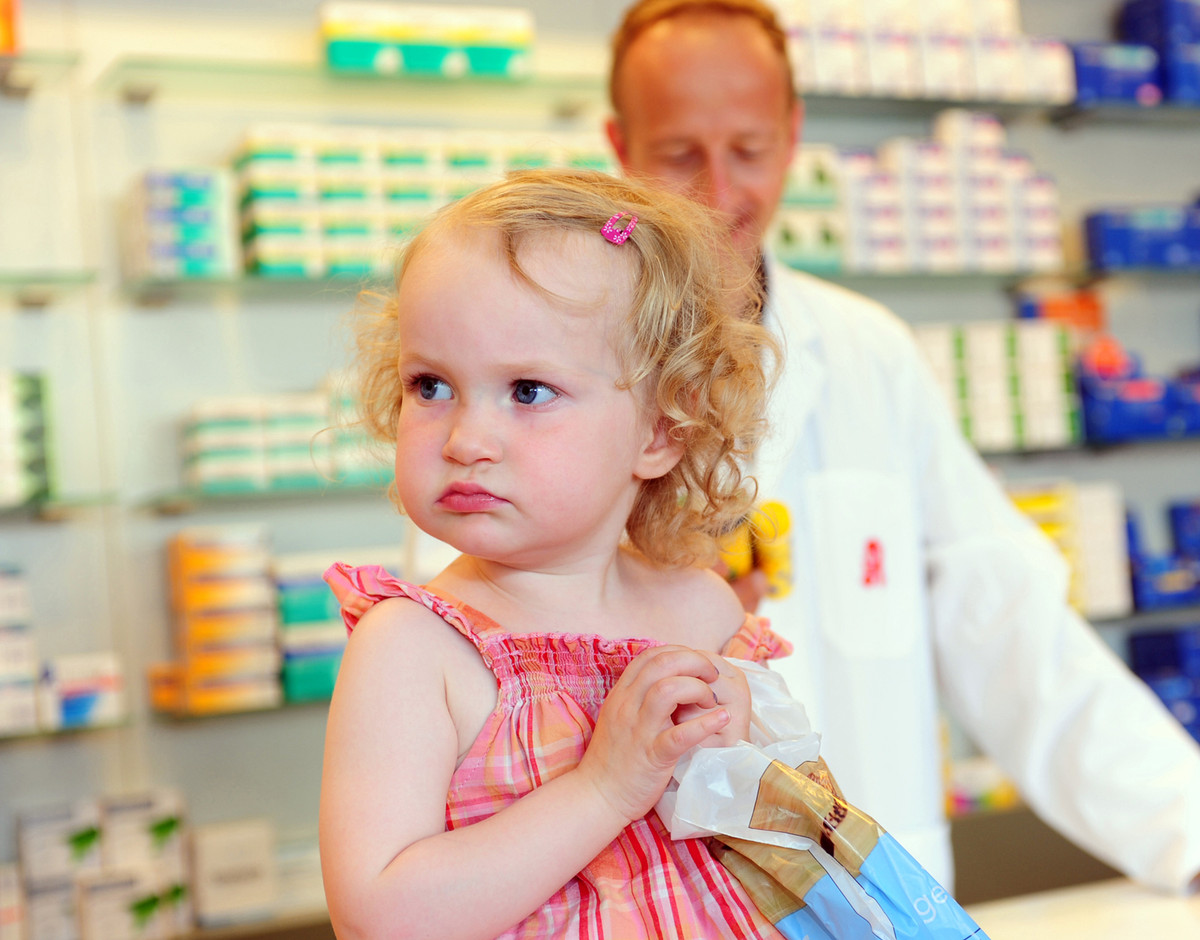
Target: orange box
8,27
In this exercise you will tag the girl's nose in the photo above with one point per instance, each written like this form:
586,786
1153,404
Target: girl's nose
473,437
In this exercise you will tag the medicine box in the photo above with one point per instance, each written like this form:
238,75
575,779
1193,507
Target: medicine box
233,871
1185,527
423,39
1120,73
12,903
57,842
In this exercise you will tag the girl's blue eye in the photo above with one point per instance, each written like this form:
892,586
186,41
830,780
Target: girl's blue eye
528,392
431,388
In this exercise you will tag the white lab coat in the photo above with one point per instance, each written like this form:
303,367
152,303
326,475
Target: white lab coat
916,581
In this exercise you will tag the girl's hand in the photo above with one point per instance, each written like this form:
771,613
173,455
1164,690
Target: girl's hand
732,693
637,743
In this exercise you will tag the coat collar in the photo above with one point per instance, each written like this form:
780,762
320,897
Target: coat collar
789,316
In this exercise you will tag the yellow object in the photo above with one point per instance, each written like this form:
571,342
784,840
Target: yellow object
770,527
737,553
761,541
8,27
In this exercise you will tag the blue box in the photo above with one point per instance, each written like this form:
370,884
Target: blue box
1110,242
1161,582
1185,528
1116,410
1180,73
1167,653
1160,23
1116,73
1183,408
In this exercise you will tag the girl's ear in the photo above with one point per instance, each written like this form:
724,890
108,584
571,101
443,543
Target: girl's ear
660,453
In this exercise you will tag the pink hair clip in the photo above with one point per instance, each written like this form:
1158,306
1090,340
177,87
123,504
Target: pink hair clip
618,236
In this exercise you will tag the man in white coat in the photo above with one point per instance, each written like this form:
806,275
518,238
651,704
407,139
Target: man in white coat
916,581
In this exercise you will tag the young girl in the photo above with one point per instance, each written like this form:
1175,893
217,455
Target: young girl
572,381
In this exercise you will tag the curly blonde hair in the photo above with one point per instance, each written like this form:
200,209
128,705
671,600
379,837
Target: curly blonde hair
690,344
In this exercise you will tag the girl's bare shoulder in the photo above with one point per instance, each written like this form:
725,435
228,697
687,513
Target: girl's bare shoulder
697,608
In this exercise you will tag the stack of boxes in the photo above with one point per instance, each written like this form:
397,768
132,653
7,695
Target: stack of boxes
1164,236
25,459
1120,403
423,39
1169,662
960,201
82,690
1010,384
113,868
224,606
312,634
180,225
808,231
1172,29
18,657
1173,579
1086,522
947,49
282,442
335,200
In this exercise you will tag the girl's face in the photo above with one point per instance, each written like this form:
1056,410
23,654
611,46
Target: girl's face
514,442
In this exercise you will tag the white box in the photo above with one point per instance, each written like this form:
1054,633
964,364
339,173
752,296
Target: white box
996,17
58,842
1104,550
897,16
145,831
1049,70
894,63
946,16
50,912
835,14
18,708
118,905
12,904
947,66
961,128
1000,68
234,871
839,62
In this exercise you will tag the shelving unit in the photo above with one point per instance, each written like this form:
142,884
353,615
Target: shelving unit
159,345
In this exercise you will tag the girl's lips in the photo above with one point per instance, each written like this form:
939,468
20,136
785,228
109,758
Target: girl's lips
468,497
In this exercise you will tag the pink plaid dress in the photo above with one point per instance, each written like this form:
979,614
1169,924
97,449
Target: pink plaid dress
551,686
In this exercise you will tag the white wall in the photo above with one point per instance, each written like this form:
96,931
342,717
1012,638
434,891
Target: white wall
124,374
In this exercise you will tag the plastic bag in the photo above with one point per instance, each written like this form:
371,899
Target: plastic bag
816,866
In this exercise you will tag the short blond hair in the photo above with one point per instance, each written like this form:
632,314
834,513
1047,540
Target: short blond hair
645,13
689,345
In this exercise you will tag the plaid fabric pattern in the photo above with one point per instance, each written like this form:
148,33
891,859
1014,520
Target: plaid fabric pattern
644,885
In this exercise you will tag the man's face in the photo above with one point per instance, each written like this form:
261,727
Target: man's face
705,111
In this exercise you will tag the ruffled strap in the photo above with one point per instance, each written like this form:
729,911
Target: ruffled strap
373,583
756,641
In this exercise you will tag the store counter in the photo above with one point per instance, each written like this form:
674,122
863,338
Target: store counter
1106,910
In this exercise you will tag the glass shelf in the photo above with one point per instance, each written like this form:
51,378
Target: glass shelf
37,289
820,105
21,73
1165,115
142,79
42,733
190,501
1165,618
190,717
162,291
58,509
928,279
